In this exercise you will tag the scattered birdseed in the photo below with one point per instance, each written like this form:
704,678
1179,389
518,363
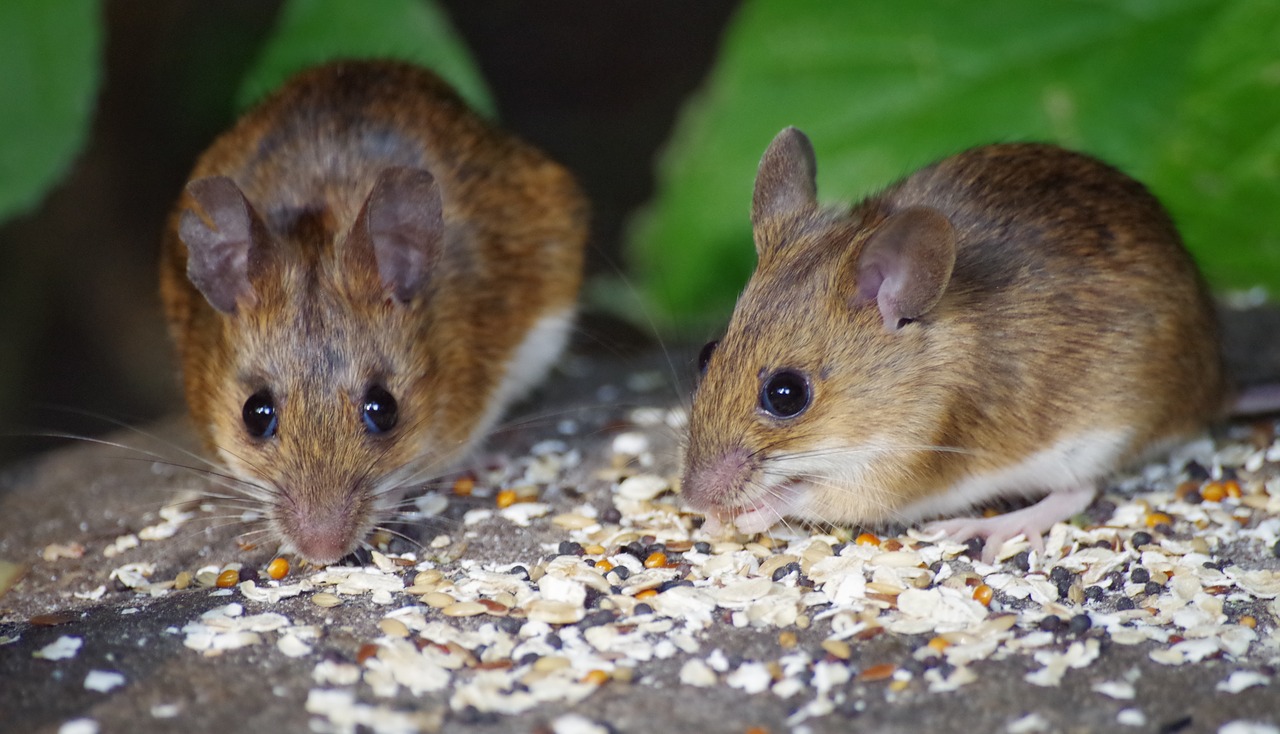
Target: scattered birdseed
63,648
278,568
325,600
103,681
79,726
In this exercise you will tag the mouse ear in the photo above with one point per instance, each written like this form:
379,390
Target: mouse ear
785,185
404,220
223,242
906,265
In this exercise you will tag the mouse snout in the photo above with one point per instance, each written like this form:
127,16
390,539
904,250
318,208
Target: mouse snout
713,482
321,535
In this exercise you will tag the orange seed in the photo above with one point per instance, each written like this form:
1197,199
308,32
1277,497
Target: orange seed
463,485
506,498
1158,518
596,677
278,568
866,539
983,594
228,579
656,560
646,594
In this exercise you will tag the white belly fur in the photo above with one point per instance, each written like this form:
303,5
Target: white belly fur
1076,462
529,364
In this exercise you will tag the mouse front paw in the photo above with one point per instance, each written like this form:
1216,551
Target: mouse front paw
1032,522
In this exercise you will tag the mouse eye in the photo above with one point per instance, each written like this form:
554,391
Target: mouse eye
704,357
378,410
259,414
785,394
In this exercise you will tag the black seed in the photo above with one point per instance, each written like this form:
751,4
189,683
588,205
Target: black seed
1124,604
510,625
642,608
1064,588
1080,623
1176,726
249,574
529,658
655,548
1093,593
1140,575
1193,497
1102,544
593,598
622,571
1022,561
636,549
1275,549
1058,574
702,547
1164,528
1195,471
1141,538
595,619
589,561
780,573
520,571
1051,623
571,548
1116,581
554,641
1152,588
973,547
611,515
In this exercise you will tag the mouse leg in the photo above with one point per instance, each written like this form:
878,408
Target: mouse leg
1033,521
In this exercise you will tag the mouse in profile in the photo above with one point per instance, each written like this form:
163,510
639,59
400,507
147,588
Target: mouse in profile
360,276
1017,320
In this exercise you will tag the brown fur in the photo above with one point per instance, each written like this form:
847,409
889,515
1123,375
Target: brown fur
323,327
1072,306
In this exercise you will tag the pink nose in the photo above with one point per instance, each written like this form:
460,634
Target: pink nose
714,483
321,537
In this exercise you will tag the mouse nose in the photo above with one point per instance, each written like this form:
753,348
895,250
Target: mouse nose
710,483
321,537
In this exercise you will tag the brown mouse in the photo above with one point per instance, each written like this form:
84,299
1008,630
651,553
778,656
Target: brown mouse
1015,320
360,276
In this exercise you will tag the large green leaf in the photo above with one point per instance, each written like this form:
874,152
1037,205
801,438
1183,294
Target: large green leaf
312,31
883,88
49,71
1220,174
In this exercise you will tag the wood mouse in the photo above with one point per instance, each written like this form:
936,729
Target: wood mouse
1015,320
359,277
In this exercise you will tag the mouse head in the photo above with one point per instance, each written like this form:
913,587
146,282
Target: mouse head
825,369
312,392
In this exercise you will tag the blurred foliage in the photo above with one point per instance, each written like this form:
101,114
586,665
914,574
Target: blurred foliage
312,31
49,52
1183,94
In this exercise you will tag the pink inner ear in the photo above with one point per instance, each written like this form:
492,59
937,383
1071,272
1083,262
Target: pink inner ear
906,264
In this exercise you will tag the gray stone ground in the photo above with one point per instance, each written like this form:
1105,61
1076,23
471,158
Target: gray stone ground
91,494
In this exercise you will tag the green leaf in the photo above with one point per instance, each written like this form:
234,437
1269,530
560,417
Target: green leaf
1220,172
313,31
49,53
883,88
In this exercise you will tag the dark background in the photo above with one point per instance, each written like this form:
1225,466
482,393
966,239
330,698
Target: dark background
597,85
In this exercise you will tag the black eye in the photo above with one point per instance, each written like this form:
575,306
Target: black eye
704,357
785,394
379,410
260,414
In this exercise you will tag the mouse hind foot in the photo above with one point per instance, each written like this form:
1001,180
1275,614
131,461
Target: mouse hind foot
1032,522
